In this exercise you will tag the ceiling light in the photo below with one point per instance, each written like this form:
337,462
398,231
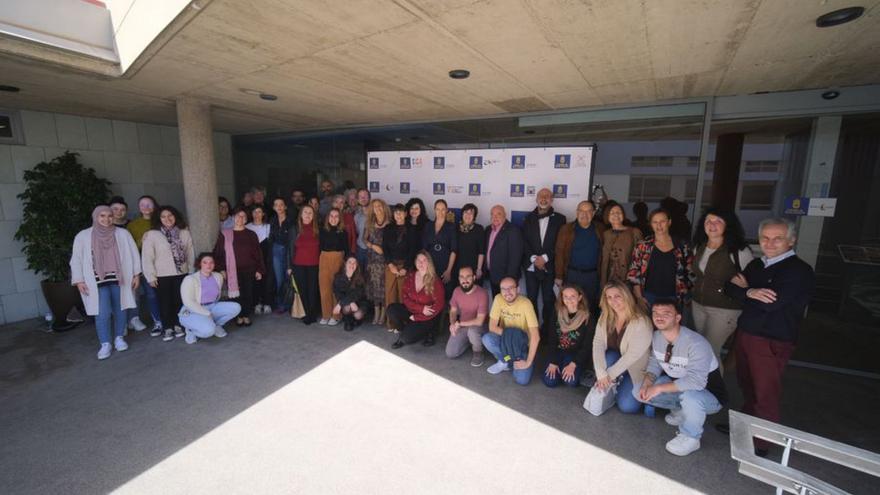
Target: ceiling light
252,92
839,17
11,89
529,131
268,97
830,95
459,73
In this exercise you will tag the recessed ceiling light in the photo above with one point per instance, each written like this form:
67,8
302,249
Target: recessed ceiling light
529,131
459,73
839,17
252,92
11,89
830,95
268,97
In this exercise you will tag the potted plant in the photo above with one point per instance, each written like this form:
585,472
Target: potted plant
58,201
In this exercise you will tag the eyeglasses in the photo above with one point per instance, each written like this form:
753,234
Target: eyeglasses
668,355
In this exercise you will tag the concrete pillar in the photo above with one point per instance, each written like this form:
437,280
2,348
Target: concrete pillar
199,171
725,176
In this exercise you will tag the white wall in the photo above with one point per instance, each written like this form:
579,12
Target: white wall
138,158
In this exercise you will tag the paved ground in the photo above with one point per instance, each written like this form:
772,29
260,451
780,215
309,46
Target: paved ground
280,407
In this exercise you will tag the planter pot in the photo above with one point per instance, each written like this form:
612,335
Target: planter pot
61,298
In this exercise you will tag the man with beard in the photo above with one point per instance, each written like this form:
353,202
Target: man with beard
539,235
467,314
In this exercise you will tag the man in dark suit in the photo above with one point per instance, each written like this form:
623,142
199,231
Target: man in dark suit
504,248
775,291
539,238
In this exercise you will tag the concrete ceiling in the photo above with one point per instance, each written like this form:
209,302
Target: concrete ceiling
367,62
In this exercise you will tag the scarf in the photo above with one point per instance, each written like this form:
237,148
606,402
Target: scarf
567,328
105,252
178,252
231,271
465,228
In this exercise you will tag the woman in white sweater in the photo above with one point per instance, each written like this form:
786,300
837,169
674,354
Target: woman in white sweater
105,268
621,344
167,258
202,315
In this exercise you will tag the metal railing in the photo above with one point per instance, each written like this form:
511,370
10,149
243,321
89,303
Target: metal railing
743,428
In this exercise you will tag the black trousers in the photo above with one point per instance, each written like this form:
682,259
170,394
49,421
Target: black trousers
264,289
246,285
588,280
544,285
306,278
410,331
169,299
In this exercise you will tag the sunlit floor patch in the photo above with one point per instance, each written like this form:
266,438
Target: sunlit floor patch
367,421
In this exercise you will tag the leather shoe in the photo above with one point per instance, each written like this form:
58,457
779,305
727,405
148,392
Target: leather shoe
397,345
429,340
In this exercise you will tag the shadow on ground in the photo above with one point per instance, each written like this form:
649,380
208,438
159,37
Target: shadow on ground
72,424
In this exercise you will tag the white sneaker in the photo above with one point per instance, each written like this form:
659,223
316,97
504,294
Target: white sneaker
178,331
169,335
323,321
136,324
104,351
120,344
267,310
674,418
499,367
219,331
190,337
157,329
333,322
683,445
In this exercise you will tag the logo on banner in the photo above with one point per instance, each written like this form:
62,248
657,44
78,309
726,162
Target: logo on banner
374,163
562,161
404,188
405,163
530,191
439,188
439,162
518,161
474,190
374,186
560,190
517,190
476,162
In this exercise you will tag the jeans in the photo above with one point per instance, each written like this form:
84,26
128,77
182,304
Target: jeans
109,306
279,264
553,382
152,296
694,405
492,343
204,326
626,401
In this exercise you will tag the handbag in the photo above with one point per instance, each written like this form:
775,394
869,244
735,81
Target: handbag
297,310
599,401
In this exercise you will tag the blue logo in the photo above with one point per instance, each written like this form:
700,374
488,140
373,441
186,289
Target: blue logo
476,162
517,190
439,162
473,190
374,186
562,161
560,190
404,188
374,163
439,188
405,162
518,161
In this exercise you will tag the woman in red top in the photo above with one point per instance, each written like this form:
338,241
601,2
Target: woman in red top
423,302
239,259
305,254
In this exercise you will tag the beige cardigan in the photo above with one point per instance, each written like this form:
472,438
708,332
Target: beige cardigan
633,351
157,259
191,292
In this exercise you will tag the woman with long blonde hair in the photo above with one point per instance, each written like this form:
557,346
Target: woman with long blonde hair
423,302
621,344
378,216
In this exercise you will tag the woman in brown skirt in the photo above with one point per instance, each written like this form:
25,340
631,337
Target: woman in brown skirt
334,248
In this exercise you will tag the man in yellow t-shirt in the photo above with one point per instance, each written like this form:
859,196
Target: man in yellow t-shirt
512,312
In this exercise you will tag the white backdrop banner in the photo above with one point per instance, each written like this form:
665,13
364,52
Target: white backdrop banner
485,177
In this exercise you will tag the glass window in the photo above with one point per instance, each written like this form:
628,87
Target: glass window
757,195
649,188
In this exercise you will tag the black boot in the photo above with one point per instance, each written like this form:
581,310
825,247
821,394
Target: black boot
397,345
348,323
429,340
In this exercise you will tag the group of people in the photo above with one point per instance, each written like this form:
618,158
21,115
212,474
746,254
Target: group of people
612,295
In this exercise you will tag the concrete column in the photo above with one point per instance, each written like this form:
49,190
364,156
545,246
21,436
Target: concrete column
725,177
199,171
